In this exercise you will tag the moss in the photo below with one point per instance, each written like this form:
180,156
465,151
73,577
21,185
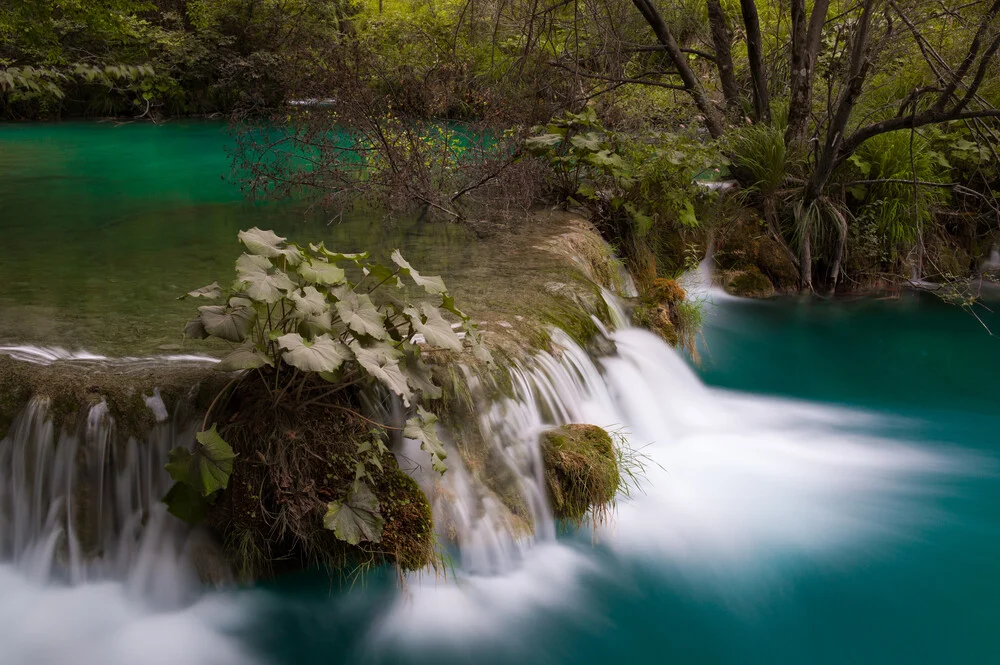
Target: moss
15,392
408,536
656,318
665,291
749,283
581,470
291,462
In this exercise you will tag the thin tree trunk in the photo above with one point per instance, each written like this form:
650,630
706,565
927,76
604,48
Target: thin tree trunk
713,121
722,40
806,34
755,53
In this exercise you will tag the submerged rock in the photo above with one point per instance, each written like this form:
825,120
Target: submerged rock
581,470
749,283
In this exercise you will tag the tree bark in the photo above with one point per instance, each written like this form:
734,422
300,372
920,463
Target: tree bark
722,40
713,120
755,53
806,34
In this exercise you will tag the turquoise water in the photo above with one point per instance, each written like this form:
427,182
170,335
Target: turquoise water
106,224
103,226
921,590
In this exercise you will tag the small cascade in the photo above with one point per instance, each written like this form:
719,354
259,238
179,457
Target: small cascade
80,506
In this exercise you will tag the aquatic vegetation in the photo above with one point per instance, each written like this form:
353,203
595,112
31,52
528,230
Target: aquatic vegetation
581,470
295,463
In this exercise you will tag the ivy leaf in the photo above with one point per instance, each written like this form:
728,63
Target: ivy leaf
321,272
357,517
423,428
207,470
264,281
381,360
245,357
226,323
433,285
269,244
361,315
211,292
436,331
323,354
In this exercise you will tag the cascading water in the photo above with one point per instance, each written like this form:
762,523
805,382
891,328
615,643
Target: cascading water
92,568
730,483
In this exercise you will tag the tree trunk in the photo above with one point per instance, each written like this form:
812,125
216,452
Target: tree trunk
722,39
755,53
713,120
806,35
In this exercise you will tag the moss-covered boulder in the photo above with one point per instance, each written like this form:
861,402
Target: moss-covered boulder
749,283
581,470
656,318
666,291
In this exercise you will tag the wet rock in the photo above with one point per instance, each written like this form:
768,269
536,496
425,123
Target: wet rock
581,470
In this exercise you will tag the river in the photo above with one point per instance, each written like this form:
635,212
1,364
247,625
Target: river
823,488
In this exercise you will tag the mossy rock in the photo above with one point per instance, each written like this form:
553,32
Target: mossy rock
750,283
290,464
656,318
581,470
408,535
665,291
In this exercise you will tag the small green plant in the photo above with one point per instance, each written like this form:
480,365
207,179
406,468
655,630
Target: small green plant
306,324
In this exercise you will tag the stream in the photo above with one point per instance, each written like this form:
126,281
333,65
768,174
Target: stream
822,488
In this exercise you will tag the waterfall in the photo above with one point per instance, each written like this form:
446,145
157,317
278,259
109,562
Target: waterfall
80,506
729,483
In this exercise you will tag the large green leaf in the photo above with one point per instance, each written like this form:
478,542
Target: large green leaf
539,145
357,517
423,428
186,503
381,360
433,285
321,272
230,324
418,376
309,301
208,468
245,357
211,292
263,281
361,315
268,243
323,354
337,256
195,329
434,328
591,141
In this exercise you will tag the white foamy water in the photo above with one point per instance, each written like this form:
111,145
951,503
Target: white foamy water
93,571
732,485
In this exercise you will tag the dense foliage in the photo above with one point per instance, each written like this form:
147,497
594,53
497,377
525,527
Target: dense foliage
314,328
863,135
